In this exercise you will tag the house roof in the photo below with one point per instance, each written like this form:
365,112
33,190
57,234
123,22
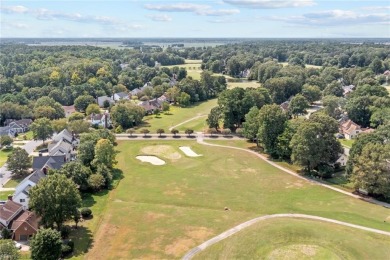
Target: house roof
63,135
9,209
349,126
36,176
122,94
69,109
135,91
53,162
102,99
26,217
22,122
62,146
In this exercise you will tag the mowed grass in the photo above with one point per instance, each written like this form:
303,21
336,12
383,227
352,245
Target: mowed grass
306,65
193,68
12,183
249,84
198,125
4,155
163,211
176,116
299,239
347,143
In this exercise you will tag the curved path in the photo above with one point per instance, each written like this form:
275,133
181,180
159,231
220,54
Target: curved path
184,122
190,254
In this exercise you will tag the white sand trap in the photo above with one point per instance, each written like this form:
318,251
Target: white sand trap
188,151
150,159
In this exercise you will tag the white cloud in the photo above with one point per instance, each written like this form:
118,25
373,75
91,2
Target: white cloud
160,17
270,4
192,8
335,18
16,9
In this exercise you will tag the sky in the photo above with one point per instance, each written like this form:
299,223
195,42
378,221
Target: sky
186,19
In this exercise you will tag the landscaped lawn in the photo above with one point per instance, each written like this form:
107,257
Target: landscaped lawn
249,84
162,211
306,65
4,156
4,194
299,239
347,143
197,125
12,183
193,68
176,116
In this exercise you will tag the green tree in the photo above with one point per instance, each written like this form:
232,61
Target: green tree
59,124
380,116
86,152
174,132
76,116
298,105
76,172
332,106
82,102
8,251
145,131
104,153
55,199
46,244
18,162
104,171
371,170
127,114
5,140
359,111
184,99
130,131
96,182
42,129
251,124
48,102
283,149
376,65
334,89
160,131
92,108
272,121
311,93
165,106
214,117
189,132
79,126
44,111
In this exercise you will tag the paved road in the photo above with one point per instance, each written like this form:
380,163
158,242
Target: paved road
5,175
190,254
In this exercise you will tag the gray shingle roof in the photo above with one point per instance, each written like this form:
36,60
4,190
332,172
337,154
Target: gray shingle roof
53,162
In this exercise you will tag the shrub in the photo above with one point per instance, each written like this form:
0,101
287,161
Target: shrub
118,129
66,250
86,212
240,132
6,233
70,243
226,131
65,231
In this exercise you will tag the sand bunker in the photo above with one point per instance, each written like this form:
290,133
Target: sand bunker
164,151
188,151
150,159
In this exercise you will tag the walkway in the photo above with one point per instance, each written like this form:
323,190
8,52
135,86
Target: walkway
190,254
189,120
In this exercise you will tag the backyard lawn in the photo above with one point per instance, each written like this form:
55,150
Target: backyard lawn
176,116
4,155
163,211
347,143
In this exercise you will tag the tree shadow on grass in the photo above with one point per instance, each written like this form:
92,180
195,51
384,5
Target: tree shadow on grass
83,239
88,199
176,136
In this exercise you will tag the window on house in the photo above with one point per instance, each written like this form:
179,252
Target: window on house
22,200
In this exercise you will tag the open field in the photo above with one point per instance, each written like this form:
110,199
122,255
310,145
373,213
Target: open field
176,116
163,211
198,125
272,239
193,68
306,65
248,84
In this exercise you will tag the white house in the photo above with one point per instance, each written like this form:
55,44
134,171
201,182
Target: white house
21,191
120,96
103,120
350,129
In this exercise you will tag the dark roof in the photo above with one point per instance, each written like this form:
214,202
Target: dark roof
9,209
53,162
36,176
21,122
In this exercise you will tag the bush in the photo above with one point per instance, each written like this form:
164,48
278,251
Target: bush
240,132
6,233
86,212
325,171
119,129
70,243
65,231
66,250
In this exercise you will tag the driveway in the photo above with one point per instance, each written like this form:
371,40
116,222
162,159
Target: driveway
5,175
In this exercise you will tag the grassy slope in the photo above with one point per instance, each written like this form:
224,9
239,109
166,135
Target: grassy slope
176,116
335,241
161,212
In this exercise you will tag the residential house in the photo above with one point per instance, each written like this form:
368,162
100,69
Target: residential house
67,136
69,110
48,162
21,195
350,129
104,99
6,130
62,148
103,120
22,223
18,126
135,92
120,96
348,89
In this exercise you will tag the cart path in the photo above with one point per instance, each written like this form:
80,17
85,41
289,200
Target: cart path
190,254
184,122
